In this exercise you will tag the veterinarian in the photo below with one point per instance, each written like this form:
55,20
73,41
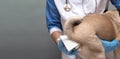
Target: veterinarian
58,11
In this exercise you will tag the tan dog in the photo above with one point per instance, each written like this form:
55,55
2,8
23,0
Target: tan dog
86,31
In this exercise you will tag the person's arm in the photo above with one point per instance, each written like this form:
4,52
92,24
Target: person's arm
53,20
55,28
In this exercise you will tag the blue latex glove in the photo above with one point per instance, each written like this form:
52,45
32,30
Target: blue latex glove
110,45
62,48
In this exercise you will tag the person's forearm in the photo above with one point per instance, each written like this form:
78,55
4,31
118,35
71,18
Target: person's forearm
55,35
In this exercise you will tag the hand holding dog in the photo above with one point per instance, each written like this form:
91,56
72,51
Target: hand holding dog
111,45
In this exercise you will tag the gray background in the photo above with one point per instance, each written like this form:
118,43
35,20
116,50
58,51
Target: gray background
23,32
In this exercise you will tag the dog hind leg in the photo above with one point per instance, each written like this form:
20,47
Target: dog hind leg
93,49
90,45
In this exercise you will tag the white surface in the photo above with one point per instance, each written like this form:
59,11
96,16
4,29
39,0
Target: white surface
69,44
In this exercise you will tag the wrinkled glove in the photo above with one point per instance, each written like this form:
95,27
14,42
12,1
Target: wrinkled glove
67,46
110,45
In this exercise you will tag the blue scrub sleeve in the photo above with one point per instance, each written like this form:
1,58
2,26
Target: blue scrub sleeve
52,16
116,3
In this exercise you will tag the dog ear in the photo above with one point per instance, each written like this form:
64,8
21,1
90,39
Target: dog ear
113,13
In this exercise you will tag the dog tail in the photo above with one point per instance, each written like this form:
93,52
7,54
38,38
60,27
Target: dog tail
70,25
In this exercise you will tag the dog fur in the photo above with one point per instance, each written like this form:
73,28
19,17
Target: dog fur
88,31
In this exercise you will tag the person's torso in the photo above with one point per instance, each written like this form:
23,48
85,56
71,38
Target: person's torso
80,8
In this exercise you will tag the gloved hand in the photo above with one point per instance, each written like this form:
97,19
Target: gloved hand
110,45
63,48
